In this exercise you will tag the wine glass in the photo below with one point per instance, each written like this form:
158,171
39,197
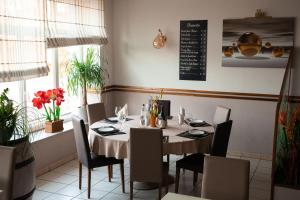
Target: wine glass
122,118
180,120
189,119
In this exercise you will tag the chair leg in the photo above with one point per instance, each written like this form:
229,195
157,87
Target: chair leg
184,155
168,158
89,183
159,191
167,185
195,179
80,175
109,173
122,177
177,179
131,190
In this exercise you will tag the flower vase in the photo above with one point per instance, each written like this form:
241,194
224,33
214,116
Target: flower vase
153,121
54,126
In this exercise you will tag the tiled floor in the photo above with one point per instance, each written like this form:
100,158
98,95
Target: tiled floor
62,183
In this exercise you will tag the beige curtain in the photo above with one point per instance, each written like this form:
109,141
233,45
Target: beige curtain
75,22
22,40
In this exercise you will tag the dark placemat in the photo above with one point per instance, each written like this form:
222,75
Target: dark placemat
203,124
107,120
115,132
186,134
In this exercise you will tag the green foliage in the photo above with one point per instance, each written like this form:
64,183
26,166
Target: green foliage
88,73
12,120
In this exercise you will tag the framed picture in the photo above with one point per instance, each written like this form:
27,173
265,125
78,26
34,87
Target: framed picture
262,42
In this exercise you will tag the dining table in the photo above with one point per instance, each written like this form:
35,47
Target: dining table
118,145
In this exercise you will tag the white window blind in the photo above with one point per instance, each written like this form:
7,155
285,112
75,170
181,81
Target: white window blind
75,22
22,40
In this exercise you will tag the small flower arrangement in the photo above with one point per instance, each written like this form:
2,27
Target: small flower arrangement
54,96
154,104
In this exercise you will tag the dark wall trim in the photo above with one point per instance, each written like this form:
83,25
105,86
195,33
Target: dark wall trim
199,93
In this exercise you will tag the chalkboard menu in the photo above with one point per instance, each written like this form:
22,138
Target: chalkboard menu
193,43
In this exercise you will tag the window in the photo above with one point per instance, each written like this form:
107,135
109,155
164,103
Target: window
25,33
58,60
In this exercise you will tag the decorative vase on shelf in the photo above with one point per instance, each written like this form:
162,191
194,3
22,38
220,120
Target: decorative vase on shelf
153,121
54,126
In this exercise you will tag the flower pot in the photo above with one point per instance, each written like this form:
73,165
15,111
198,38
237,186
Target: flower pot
55,126
153,121
24,178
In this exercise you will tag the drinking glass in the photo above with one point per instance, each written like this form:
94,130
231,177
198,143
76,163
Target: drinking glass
143,120
122,118
189,118
180,120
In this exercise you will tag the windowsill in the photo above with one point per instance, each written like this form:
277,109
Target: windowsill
42,135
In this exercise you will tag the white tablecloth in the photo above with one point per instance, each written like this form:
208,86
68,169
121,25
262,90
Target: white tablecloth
173,196
118,145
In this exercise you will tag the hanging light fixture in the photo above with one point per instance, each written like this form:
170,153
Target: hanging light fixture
160,40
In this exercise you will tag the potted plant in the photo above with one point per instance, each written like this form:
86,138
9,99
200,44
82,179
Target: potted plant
14,131
84,75
52,113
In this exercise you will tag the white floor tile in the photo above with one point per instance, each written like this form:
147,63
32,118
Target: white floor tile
66,179
112,196
58,197
40,195
50,176
52,187
95,194
106,186
71,191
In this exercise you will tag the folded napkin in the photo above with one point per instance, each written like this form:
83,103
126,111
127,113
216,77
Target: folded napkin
123,111
186,134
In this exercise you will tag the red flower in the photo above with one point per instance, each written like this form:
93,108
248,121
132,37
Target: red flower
54,96
43,96
282,118
37,103
51,94
59,92
59,100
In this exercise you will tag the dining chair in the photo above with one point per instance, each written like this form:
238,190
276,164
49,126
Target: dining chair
166,104
194,162
146,158
96,112
225,178
7,160
88,158
222,114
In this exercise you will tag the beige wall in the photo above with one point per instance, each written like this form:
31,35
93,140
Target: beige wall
136,62
253,121
134,24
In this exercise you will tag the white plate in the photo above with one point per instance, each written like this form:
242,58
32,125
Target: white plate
106,129
196,121
197,132
113,118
